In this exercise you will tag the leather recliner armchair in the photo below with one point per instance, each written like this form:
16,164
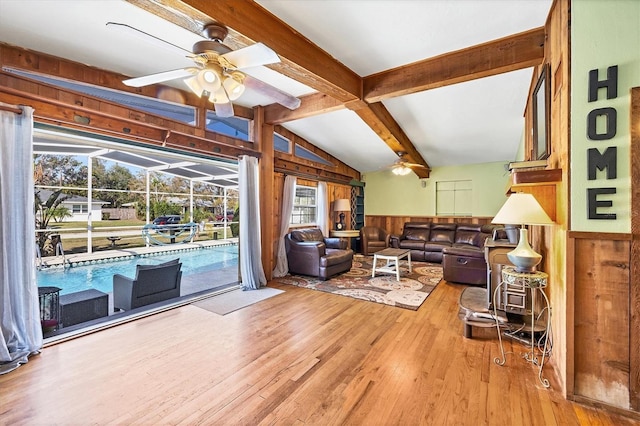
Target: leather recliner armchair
310,253
373,239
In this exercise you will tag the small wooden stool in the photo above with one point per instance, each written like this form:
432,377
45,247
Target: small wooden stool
474,311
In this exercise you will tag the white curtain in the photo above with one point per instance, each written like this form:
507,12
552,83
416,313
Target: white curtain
288,194
251,269
323,208
20,329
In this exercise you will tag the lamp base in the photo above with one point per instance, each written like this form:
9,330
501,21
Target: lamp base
340,225
523,257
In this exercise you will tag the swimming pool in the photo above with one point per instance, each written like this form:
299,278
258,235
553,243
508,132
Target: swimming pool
99,275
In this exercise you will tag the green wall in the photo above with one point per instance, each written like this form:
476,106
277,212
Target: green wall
388,194
603,34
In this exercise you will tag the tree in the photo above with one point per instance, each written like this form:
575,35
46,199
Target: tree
115,177
59,213
44,212
59,170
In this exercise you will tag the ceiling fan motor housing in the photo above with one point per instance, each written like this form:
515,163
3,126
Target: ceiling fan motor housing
215,34
205,46
215,31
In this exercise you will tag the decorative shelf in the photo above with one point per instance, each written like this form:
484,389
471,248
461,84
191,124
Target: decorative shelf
536,176
541,183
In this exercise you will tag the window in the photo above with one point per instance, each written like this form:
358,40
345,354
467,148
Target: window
280,143
308,155
304,206
454,198
80,208
231,126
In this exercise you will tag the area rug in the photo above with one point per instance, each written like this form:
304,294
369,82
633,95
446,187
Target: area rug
409,293
225,303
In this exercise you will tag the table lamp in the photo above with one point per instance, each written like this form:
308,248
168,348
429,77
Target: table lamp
523,209
341,205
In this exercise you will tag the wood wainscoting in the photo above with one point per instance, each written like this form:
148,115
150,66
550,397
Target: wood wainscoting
394,224
600,295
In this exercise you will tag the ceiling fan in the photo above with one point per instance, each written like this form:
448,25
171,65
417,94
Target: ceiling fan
401,167
217,71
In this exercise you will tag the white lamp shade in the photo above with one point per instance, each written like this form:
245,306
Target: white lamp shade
341,205
522,209
192,83
233,85
209,79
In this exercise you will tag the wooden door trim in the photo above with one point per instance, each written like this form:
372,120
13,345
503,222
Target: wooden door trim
634,272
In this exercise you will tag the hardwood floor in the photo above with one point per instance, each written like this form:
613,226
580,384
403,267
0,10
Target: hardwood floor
301,357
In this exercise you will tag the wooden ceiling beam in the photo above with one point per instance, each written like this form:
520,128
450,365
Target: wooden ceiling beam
378,118
522,50
311,105
301,59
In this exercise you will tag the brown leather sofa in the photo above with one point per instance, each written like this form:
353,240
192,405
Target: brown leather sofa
458,246
310,253
373,239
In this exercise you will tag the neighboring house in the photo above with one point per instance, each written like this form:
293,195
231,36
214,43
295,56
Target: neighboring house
78,206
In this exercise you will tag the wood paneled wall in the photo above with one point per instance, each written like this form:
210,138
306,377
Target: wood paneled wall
394,224
335,191
601,315
551,241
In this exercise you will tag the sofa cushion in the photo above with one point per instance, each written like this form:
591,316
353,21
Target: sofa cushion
436,246
417,234
443,232
467,237
412,244
311,234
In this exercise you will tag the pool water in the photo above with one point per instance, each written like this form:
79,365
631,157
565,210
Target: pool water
99,276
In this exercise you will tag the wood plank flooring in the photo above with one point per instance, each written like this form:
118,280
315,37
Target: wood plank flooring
300,358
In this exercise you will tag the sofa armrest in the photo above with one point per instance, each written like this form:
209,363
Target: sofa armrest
304,257
394,241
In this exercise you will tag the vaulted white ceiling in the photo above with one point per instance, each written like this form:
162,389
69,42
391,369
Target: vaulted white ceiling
472,122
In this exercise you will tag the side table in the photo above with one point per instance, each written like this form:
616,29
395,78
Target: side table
49,301
346,233
515,284
474,312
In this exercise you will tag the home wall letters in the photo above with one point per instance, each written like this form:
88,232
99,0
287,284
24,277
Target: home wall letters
596,159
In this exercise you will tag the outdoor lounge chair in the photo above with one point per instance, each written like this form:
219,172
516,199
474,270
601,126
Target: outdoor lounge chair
153,283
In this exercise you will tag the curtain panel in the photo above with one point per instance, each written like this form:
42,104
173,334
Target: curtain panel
323,208
20,328
288,194
251,271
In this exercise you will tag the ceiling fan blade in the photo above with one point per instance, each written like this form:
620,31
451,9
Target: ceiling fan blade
274,93
150,38
159,77
252,56
224,110
415,165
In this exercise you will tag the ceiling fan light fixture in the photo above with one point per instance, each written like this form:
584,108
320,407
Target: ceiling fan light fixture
209,79
233,85
400,170
193,84
219,96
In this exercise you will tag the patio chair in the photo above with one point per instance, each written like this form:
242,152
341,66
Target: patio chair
152,284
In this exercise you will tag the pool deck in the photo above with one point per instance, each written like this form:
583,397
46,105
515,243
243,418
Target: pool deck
115,254
193,286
